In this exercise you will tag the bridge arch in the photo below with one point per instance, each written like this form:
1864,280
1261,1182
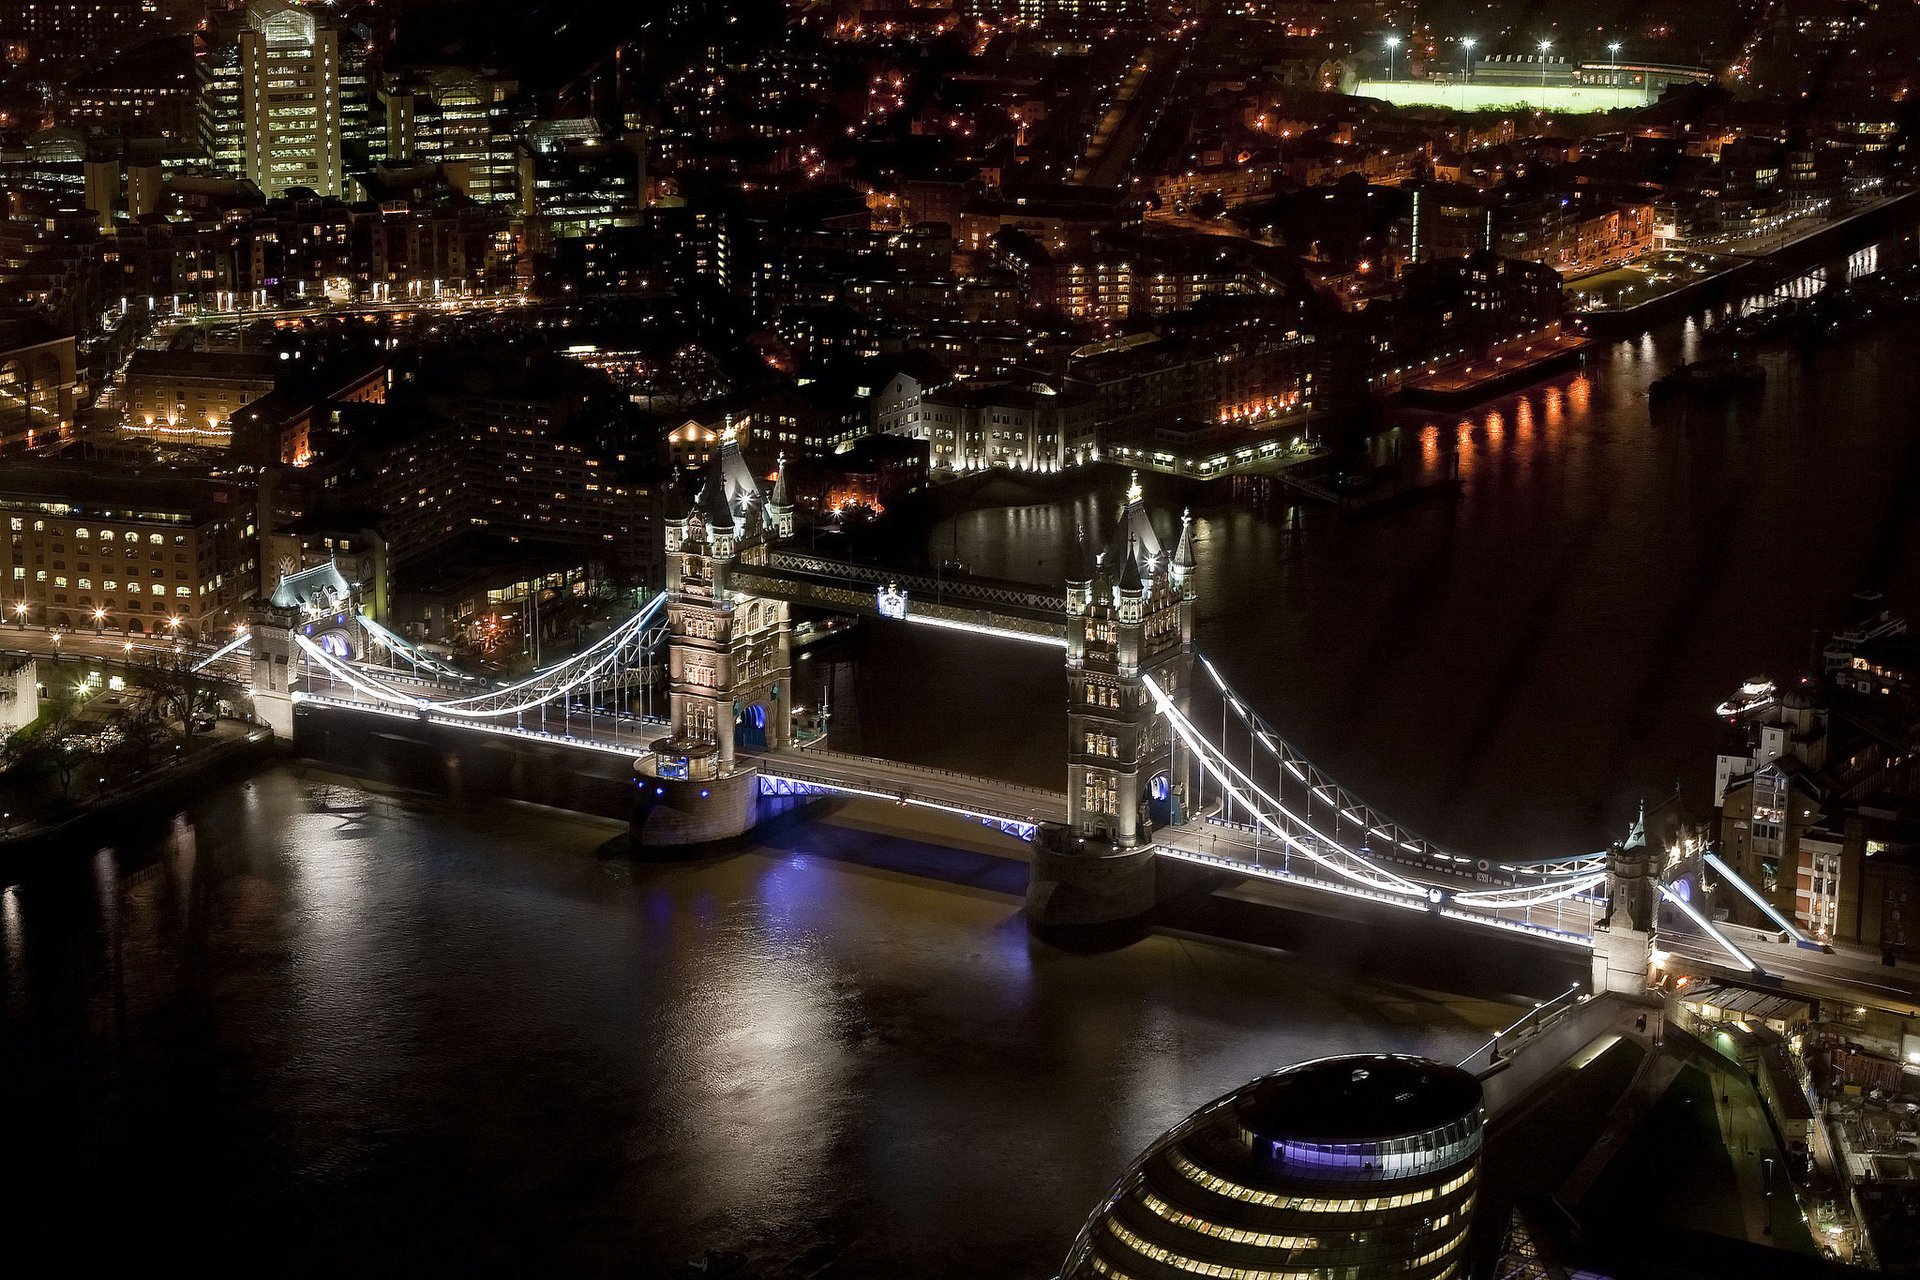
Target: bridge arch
750,724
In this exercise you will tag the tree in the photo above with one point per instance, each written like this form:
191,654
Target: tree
181,693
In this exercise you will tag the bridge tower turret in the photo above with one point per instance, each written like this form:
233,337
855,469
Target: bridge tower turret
780,508
729,663
1129,616
1633,867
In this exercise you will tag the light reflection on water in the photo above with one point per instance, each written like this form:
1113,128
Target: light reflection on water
386,1034
1513,669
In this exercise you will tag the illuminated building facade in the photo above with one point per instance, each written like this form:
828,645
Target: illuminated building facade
1129,615
138,551
190,397
283,95
1356,1167
730,659
34,32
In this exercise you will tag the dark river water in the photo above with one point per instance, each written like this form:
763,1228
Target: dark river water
313,1026
1511,670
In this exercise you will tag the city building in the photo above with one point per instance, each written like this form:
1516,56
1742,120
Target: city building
1816,799
37,378
574,180
1357,1167
281,91
116,550
190,397
150,91
41,32
463,118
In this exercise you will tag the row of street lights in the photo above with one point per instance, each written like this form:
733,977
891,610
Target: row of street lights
23,609
1468,42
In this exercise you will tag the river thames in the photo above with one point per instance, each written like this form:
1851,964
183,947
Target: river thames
311,1025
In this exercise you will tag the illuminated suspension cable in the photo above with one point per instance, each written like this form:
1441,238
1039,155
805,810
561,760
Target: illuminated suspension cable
1207,752
612,640
376,689
1532,895
1355,810
1290,757
1726,943
608,649
222,651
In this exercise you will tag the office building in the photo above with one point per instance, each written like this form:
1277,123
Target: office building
1357,1167
119,551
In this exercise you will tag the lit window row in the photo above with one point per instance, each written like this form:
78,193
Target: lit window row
1311,1204
1237,1235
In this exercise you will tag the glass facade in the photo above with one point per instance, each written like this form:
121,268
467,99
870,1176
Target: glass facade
1353,1167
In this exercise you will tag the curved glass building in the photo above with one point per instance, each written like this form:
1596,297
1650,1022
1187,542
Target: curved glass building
1354,1167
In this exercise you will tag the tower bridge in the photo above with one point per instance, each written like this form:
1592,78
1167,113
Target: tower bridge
1146,788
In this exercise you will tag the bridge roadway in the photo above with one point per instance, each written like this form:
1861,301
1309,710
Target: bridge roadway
1848,975
111,648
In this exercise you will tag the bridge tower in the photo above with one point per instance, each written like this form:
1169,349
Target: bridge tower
1129,616
1622,945
270,641
729,661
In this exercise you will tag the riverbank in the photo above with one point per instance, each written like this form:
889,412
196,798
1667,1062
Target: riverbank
165,785
1745,270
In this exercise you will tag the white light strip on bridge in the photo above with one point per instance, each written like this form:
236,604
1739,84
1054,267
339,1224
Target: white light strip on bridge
897,798
1205,751
1532,895
612,640
982,629
455,706
628,750
1726,943
222,651
1519,926
1260,871
1358,811
1732,877
412,653
1263,872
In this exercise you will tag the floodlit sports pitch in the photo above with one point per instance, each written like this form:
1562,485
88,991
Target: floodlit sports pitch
1503,97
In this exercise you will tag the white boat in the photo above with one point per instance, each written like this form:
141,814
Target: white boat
1755,695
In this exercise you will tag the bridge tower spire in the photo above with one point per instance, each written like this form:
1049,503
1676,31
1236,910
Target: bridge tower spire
1129,616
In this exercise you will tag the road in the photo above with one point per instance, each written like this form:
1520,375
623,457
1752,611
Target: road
108,646
1849,975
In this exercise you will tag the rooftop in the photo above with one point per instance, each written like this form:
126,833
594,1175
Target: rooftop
1361,1098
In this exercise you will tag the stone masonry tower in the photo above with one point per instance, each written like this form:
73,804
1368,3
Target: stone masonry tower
729,661
1129,615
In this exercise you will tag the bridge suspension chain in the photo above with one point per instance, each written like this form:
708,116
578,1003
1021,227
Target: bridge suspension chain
1351,811
636,635
1298,833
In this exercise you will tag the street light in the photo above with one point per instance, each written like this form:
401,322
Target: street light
1544,44
99,618
20,611
1613,67
1467,43
1393,43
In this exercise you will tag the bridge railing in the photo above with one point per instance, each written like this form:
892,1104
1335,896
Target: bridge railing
1529,1024
882,766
